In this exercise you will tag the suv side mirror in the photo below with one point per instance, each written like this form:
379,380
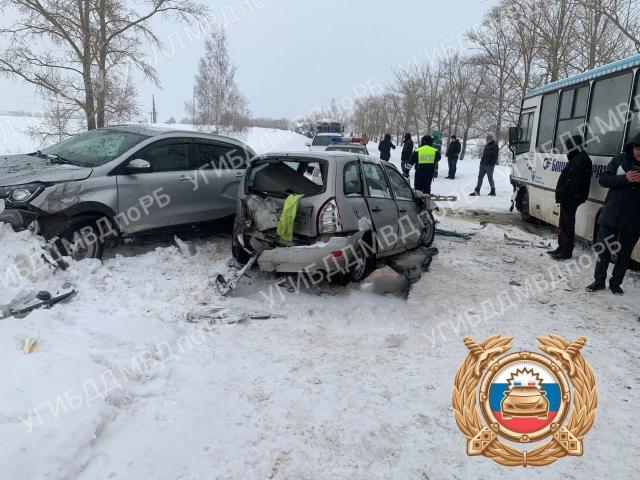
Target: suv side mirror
307,143
138,165
514,136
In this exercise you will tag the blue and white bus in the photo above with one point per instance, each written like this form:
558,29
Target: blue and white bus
602,105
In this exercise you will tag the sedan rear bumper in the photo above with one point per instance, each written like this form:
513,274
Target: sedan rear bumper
329,257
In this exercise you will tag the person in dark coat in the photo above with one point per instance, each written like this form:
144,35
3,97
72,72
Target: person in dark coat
571,192
425,158
619,221
385,147
407,153
452,154
488,162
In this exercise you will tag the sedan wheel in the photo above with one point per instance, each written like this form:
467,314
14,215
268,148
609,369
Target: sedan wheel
429,230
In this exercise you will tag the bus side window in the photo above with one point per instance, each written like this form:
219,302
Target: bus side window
634,124
607,116
544,143
571,119
524,136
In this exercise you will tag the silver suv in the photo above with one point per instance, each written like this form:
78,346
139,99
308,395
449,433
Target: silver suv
121,181
355,209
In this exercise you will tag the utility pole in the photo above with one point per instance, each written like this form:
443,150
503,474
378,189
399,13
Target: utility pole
193,116
154,113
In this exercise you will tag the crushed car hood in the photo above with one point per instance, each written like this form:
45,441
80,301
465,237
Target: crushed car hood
21,169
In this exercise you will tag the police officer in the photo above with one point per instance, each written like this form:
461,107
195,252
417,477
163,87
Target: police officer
425,158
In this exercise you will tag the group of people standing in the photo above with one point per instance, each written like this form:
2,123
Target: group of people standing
425,159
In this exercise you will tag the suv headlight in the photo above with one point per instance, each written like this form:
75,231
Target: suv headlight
22,194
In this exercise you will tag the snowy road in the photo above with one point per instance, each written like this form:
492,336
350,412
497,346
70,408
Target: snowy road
347,385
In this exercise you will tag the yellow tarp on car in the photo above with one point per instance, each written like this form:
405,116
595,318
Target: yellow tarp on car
288,217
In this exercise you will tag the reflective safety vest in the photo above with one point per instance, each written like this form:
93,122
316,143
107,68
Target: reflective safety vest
426,155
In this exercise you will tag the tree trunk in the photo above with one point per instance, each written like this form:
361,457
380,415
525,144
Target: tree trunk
101,93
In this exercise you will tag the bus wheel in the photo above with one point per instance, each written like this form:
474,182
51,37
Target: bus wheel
522,204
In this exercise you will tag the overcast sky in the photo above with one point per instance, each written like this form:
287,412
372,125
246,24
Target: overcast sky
293,56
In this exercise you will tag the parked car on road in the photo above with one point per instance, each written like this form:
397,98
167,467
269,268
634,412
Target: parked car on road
119,182
322,140
355,209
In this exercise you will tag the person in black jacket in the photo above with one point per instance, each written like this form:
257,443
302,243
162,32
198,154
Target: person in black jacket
385,147
619,221
407,153
452,154
571,192
488,162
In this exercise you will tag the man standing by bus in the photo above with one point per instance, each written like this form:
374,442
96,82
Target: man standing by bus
619,222
571,192
385,147
488,162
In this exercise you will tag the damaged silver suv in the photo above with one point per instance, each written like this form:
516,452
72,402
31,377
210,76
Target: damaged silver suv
354,209
120,182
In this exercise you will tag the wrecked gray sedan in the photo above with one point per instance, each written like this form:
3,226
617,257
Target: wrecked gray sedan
326,213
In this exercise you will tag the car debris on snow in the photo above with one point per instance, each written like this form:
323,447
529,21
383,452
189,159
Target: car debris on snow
520,242
225,316
453,234
43,299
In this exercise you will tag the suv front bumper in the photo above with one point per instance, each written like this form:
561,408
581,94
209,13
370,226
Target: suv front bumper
13,218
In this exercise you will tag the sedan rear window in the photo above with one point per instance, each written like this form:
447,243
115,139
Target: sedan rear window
325,140
282,177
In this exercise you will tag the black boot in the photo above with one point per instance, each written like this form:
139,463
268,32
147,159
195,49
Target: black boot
493,192
554,252
596,286
475,193
616,290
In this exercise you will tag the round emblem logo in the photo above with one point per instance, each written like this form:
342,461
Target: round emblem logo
525,397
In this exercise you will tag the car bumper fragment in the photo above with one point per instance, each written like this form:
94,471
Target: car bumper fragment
329,257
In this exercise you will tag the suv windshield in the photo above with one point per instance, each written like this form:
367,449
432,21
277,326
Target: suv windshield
94,148
284,177
325,140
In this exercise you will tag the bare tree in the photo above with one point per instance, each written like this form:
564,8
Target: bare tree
498,56
623,14
79,50
218,101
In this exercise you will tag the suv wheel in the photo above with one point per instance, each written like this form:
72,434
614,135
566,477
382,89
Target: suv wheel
81,241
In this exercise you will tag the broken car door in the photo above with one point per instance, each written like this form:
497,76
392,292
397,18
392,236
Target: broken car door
409,223
382,206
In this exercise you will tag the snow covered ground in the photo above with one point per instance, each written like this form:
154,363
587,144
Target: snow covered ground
346,385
